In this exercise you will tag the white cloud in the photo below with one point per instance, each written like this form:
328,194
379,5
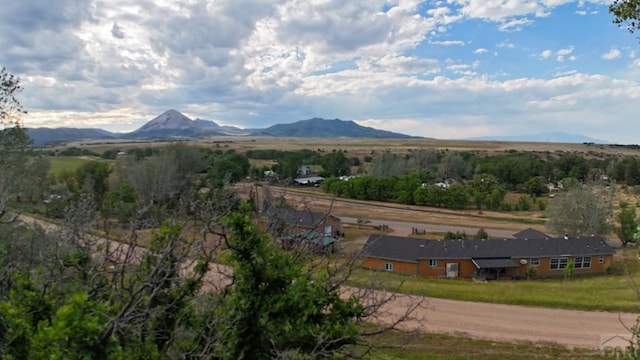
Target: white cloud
611,54
506,44
257,62
514,24
561,54
448,43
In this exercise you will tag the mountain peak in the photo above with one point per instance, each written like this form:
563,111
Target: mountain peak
168,120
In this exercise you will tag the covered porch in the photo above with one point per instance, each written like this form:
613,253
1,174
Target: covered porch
494,268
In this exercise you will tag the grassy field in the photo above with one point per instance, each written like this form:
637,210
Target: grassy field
446,347
361,147
68,163
613,292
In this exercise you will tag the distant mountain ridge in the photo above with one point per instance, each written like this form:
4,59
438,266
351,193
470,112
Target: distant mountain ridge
50,136
322,128
554,137
173,124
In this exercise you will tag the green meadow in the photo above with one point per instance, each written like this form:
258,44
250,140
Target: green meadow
60,164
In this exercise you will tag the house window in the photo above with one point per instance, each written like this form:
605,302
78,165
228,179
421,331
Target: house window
534,262
433,263
582,262
558,263
388,266
601,259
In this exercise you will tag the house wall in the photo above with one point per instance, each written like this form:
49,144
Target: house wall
544,270
332,221
398,266
465,268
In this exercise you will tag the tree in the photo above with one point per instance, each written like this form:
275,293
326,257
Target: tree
628,223
632,172
156,179
67,294
14,141
481,234
10,107
626,12
569,269
121,203
536,186
335,164
269,286
93,177
486,191
581,211
453,166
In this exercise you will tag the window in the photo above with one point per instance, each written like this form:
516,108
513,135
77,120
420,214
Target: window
558,263
582,262
601,259
534,262
433,263
388,266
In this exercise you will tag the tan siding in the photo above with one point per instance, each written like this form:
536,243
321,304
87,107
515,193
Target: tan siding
596,267
398,266
466,268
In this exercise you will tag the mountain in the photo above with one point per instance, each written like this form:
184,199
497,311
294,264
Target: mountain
50,136
173,124
554,137
318,127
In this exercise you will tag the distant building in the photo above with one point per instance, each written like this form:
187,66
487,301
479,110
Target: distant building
313,180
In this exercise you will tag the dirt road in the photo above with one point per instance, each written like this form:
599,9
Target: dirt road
572,328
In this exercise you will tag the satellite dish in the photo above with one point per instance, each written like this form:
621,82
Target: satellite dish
523,261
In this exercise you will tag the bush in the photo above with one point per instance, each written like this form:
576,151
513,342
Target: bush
523,203
542,205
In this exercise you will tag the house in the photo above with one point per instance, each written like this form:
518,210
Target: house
295,221
313,180
530,233
318,229
486,259
312,240
304,171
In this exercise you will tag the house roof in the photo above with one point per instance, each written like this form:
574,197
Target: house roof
308,180
314,237
530,233
493,263
296,217
411,249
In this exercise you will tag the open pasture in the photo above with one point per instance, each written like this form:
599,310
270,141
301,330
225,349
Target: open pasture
367,146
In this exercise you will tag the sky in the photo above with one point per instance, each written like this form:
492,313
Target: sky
444,69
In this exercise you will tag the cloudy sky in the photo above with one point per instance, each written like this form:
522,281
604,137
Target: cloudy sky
444,69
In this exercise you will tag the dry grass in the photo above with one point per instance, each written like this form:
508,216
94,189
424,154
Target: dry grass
362,147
